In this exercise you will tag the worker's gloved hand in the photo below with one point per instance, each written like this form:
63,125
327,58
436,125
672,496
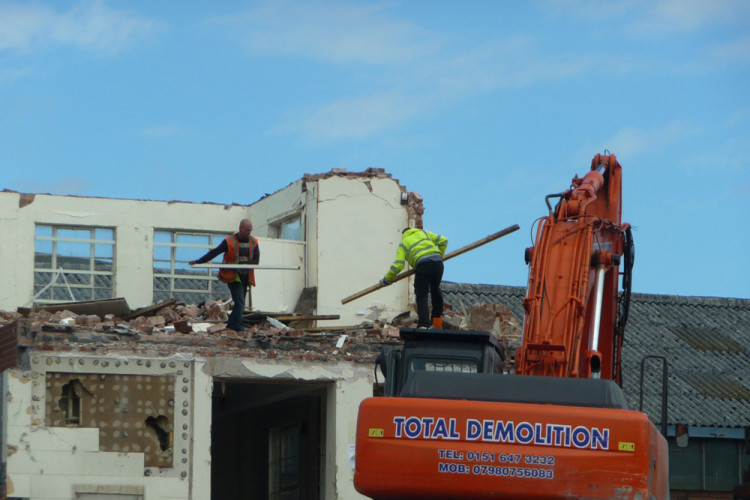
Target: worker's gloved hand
193,262
385,282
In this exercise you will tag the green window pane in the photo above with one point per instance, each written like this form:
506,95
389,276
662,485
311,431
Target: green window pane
103,250
42,261
162,253
77,234
161,284
188,254
193,239
79,279
161,267
103,281
73,249
105,265
190,284
104,234
74,263
42,279
43,246
162,237
63,294
102,294
45,295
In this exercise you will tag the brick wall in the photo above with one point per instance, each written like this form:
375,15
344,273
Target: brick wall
9,343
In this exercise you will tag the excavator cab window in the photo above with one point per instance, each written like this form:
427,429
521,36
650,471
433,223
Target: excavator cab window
444,365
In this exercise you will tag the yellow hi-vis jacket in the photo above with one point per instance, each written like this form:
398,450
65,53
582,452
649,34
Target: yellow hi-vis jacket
415,244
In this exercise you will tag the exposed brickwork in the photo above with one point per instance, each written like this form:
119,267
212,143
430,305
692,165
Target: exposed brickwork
9,343
169,331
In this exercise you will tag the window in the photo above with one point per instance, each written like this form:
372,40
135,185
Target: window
288,229
70,402
173,276
73,263
284,479
443,365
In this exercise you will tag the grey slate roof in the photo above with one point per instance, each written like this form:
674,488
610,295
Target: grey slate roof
706,341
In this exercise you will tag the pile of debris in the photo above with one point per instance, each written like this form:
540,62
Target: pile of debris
165,320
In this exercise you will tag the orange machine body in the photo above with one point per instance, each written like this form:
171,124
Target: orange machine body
472,446
441,449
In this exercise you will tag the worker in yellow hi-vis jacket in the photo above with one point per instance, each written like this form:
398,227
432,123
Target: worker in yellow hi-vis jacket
424,251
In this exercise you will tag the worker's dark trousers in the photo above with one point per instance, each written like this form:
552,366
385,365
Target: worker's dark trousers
238,291
427,278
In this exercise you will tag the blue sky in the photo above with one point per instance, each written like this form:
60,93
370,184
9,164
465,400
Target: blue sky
482,107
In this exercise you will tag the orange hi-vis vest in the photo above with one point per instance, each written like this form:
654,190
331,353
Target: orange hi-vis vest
232,256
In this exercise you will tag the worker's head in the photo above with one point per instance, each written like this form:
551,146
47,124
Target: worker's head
246,227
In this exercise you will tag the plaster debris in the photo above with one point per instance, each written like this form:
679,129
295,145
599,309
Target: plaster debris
200,330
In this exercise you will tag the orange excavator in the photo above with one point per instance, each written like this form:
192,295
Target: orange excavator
452,425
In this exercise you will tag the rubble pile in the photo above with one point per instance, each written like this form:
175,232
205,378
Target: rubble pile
202,329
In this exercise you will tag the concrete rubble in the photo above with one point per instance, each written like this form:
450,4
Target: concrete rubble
200,330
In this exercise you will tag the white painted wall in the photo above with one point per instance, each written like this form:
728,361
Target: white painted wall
48,463
134,222
352,225
359,227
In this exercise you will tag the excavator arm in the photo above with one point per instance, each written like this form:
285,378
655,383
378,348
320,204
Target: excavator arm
571,327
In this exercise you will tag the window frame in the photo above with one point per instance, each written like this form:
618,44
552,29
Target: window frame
178,268
95,243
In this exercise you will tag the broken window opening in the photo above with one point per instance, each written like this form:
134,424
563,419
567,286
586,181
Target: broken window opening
70,402
160,425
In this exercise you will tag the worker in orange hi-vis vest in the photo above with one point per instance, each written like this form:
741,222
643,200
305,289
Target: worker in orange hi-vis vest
238,248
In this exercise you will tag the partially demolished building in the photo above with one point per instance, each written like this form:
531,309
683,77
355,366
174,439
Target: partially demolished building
151,407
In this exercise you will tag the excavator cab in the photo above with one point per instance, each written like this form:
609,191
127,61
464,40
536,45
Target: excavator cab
446,351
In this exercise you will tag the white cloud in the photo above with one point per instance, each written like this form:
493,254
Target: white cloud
735,51
352,117
671,16
89,25
631,141
8,75
334,32
68,186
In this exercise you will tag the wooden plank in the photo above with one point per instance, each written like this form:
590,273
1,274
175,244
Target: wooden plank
245,266
323,329
118,307
152,309
447,256
303,317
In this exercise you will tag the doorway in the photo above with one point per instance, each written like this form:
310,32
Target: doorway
267,441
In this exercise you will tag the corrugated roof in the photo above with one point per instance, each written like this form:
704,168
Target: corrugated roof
705,340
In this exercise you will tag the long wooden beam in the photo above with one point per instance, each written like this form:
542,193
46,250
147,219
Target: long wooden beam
245,266
449,255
